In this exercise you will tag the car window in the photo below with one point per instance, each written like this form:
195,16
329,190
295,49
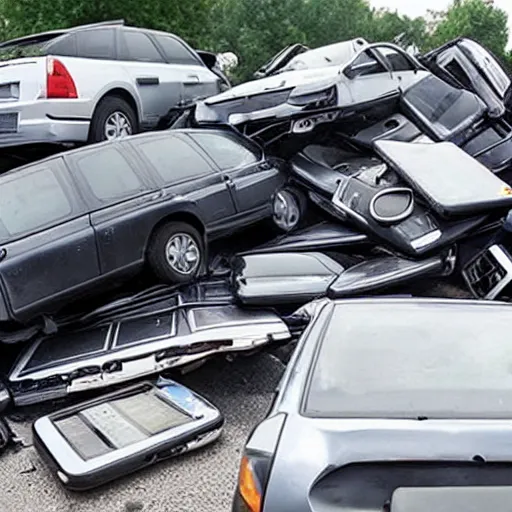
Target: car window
174,51
98,43
173,158
108,174
62,46
366,64
227,153
138,46
456,70
397,60
413,360
57,349
31,200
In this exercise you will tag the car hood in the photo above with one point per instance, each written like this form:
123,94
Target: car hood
276,83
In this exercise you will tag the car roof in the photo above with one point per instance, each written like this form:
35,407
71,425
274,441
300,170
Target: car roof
43,37
92,147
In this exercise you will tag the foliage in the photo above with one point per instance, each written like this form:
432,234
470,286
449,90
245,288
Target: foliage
257,29
475,19
187,19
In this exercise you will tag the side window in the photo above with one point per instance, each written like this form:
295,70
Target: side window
175,52
397,61
108,175
173,158
456,70
366,64
63,46
31,200
137,46
227,153
98,43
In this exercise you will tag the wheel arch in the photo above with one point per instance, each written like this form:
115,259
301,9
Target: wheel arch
179,216
121,92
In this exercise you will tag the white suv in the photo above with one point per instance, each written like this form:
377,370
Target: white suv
96,82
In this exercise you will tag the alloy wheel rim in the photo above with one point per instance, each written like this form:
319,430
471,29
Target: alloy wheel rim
286,211
117,126
182,254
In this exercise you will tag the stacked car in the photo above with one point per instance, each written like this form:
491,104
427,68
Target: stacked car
253,213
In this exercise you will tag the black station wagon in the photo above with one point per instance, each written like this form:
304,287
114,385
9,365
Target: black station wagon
71,222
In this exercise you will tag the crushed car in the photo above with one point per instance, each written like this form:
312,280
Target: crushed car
86,219
415,199
369,92
391,396
245,306
172,330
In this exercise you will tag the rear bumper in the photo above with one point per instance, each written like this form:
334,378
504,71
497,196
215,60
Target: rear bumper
44,121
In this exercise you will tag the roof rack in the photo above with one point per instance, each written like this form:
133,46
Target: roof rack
99,24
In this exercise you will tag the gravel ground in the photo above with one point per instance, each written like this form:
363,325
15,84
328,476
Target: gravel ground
203,481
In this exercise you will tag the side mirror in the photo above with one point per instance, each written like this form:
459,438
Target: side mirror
355,70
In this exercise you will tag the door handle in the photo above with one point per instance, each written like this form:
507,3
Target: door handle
3,254
148,80
227,179
191,80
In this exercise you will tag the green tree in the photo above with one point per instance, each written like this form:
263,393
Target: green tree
386,25
476,19
186,19
257,29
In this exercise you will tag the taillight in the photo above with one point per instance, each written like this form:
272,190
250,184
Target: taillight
252,481
59,83
256,465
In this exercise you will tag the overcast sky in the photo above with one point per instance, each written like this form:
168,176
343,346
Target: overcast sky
414,8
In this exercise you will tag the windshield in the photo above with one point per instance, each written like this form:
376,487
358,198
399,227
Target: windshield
417,360
338,54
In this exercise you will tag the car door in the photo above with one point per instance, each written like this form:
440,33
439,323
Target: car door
121,198
47,245
496,76
198,82
159,84
253,179
472,67
185,172
369,78
404,69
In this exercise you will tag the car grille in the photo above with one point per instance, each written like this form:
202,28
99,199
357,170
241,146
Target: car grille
9,123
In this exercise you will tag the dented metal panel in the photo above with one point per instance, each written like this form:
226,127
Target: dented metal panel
134,347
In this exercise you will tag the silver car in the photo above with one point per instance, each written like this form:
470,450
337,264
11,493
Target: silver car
382,397
96,82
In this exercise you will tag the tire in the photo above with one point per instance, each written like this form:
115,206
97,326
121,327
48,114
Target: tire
166,241
289,209
112,110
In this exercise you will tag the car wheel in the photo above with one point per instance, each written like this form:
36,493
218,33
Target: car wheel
113,118
289,209
176,252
